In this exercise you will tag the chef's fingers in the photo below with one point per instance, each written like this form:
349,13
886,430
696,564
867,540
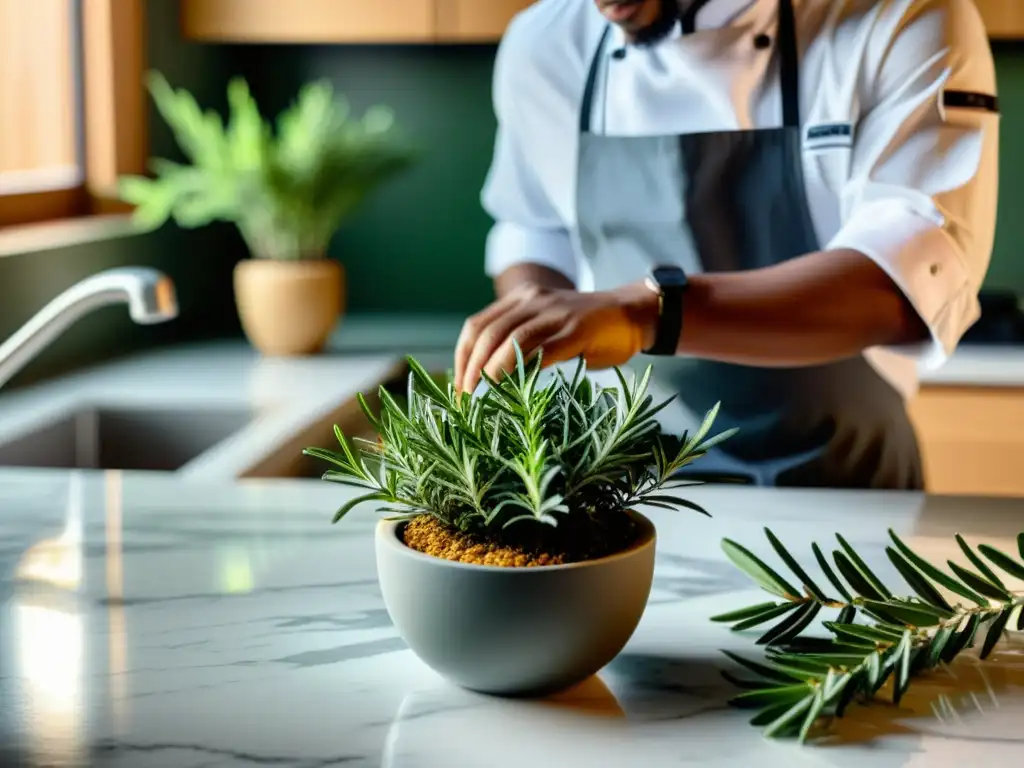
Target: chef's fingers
470,333
490,339
566,343
530,336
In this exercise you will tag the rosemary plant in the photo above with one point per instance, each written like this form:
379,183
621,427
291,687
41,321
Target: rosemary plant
804,678
556,453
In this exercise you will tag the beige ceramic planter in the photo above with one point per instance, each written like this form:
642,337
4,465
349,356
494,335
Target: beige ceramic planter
289,308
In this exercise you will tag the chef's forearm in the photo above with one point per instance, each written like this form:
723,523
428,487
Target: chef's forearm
535,274
814,309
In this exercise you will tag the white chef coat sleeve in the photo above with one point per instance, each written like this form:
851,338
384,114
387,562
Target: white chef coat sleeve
922,189
527,227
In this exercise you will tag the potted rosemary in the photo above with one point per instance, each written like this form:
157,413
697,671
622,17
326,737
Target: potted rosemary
287,191
513,518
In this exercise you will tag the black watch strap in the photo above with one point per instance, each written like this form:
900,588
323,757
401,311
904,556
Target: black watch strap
670,283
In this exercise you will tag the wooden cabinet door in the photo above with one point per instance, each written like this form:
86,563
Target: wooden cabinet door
477,21
1003,18
971,439
309,21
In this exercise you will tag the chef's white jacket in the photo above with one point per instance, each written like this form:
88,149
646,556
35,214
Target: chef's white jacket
899,153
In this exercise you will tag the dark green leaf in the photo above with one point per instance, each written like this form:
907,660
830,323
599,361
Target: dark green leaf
767,615
873,670
846,696
1002,560
785,722
770,696
770,714
748,685
860,585
975,582
797,661
902,680
934,573
977,562
794,566
961,639
675,501
858,632
917,582
995,632
830,574
847,615
817,704
745,613
352,503
792,626
938,644
1020,544
862,567
747,562
912,615
770,673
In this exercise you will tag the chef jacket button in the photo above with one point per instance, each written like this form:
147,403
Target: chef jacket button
762,41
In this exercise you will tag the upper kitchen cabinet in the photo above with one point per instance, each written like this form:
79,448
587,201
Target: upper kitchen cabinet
1004,19
309,21
476,21
347,21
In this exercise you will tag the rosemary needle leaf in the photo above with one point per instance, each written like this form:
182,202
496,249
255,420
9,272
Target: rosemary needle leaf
977,562
794,566
917,582
756,569
983,586
1002,560
935,574
771,613
995,632
743,613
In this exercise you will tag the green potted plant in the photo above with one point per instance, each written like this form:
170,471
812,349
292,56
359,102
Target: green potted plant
287,191
514,561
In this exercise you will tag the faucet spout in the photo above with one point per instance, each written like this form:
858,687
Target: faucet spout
149,294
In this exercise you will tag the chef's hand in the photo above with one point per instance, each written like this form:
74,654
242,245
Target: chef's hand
606,328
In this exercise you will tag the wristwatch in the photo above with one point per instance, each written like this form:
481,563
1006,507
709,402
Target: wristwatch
669,282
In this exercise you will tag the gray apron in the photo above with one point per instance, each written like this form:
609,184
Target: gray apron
726,201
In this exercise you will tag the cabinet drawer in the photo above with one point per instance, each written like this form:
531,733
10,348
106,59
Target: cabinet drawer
972,439
476,20
308,21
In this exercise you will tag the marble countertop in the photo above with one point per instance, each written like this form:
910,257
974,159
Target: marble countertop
149,620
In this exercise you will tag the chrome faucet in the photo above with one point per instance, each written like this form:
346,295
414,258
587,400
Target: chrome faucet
149,294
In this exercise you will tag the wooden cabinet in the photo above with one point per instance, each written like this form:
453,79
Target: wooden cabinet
972,439
308,21
472,21
1004,19
347,21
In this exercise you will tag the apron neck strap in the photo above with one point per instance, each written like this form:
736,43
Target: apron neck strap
789,69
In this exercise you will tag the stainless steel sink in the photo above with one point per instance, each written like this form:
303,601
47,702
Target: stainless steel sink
124,438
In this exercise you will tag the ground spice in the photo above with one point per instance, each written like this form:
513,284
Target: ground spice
429,535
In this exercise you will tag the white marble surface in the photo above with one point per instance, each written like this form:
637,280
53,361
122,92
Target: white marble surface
147,620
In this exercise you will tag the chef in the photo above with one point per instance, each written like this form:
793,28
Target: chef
787,206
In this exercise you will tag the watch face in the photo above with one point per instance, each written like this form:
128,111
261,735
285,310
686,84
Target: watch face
669,277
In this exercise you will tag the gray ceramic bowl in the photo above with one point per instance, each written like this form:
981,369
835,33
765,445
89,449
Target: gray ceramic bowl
515,631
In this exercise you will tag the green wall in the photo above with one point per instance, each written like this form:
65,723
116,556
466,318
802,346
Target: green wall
1007,269
416,246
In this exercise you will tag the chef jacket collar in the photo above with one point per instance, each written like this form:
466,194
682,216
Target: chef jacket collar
714,14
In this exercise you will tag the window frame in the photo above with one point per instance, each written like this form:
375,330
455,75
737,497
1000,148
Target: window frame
113,131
